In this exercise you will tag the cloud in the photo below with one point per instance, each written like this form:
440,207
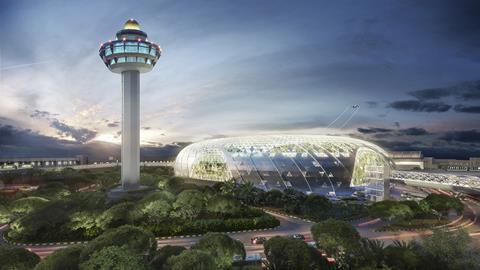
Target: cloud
372,130
372,104
413,131
467,90
419,106
79,134
463,136
432,93
113,124
41,114
16,142
146,128
466,109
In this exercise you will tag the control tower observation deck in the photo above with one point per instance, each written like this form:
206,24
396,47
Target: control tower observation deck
130,54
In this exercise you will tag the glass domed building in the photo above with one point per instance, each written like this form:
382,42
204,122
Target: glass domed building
329,165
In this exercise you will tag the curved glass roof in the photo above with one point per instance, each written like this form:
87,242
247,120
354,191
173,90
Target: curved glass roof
311,163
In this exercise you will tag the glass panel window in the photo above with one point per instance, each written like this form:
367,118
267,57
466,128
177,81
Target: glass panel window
143,49
149,61
131,59
108,51
118,48
121,60
141,59
112,61
153,51
131,47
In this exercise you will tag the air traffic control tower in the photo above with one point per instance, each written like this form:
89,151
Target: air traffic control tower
130,54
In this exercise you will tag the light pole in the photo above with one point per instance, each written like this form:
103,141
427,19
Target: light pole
130,54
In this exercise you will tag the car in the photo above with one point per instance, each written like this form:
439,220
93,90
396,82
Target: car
298,236
258,240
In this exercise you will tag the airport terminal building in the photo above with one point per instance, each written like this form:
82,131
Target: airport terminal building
328,165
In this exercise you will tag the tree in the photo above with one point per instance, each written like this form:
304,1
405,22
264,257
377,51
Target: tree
136,239
117,215
442,203
157,211
113,258
189,204
26,205
17,258
339,239
293,200
191,259
286,253
371,252
316,205
274,198
85,222
67,258
221,247
391,210
222,205
402,256
162,255
450,249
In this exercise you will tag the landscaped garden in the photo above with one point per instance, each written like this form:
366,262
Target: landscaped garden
55,212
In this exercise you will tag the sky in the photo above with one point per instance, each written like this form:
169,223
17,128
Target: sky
232,68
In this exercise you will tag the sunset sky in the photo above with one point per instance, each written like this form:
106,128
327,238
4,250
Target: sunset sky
245,67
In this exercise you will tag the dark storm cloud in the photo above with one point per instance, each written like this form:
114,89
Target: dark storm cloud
372,130
419,106
466,109
79,134
413,131
466,90
463,136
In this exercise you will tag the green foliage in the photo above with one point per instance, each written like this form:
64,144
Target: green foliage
316,206
221,247
157,211
442,203
222,205
161,256
391,210
113,258
191,259
451,250
52,190
117,215
17,258
293,201
402,256
335,236
136,239
85,223
26,205
67,258
286,253
189,204
274,198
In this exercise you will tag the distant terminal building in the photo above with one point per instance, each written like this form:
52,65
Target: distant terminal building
414,160
29,163
328,165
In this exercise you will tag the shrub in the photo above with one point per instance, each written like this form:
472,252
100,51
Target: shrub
67,258
17,258
221,247
113,258
191,259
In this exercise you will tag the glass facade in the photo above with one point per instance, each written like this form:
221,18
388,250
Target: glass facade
128,51
310,163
